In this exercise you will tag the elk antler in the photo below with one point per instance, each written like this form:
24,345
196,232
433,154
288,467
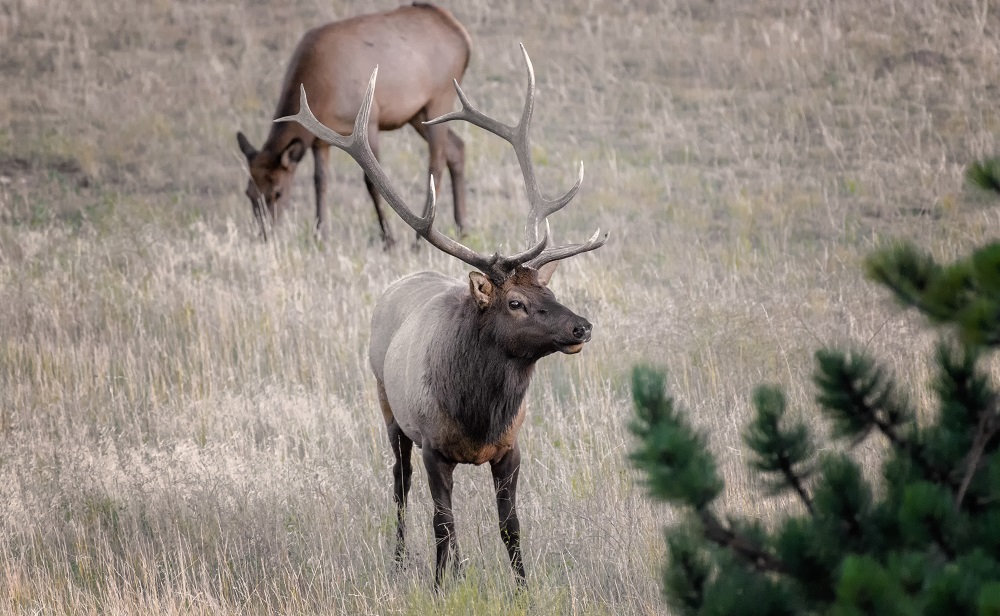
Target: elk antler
540,207
498,267
357,145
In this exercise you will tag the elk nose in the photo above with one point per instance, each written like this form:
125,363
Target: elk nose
582,330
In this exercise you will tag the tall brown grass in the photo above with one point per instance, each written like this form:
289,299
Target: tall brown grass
187,420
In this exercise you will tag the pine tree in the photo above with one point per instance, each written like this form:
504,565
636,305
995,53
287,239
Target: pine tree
924,541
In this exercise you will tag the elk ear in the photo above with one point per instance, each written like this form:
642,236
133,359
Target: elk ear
481,289
293,153
545,272
248,150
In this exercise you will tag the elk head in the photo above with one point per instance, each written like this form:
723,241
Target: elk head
271,175
524,317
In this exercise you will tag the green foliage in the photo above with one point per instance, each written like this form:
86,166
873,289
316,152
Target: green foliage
985,174
857,395
783,453
965,294
685,581
925,541
867,587
988,603
680,465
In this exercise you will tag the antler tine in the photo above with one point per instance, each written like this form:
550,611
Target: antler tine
359,148
475,117
511,262
564,252
308,120
551,206
518,136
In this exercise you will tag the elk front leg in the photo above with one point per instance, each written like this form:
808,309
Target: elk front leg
402,470
439,476
505,472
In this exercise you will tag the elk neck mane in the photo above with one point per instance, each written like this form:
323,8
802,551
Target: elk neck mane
472,378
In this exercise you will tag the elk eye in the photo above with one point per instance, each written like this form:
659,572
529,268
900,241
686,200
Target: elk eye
514,304
277,195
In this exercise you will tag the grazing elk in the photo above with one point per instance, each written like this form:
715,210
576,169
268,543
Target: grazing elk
453,359
423,49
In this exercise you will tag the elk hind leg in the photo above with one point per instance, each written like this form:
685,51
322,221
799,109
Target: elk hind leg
455,155
321,154
402,470
505,472
441,150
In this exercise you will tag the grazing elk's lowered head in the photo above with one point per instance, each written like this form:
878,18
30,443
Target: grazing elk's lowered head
271,175
453,358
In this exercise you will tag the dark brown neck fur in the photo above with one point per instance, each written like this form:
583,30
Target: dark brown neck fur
473,379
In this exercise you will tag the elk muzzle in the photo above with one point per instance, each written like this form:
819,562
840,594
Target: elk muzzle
580,336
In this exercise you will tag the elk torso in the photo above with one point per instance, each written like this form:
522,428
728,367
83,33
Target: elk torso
419,50
451,387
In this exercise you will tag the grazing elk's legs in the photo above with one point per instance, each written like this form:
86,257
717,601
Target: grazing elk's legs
321,154
455,154
402,470
505,472
376,197
445,147
439,476
437,141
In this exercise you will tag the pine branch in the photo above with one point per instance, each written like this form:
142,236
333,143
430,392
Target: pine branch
740,545
963,294
779,451
989,423
916,454
688,572
979,322
908,273
927,517
843,500
796,484
858,396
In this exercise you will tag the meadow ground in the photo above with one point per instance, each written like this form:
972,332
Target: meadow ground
187,420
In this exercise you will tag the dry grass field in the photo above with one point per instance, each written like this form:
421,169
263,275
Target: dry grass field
188,424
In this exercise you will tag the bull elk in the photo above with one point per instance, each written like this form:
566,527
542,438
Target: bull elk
452,358
423,49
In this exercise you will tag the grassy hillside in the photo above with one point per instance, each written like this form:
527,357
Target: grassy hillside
187,420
